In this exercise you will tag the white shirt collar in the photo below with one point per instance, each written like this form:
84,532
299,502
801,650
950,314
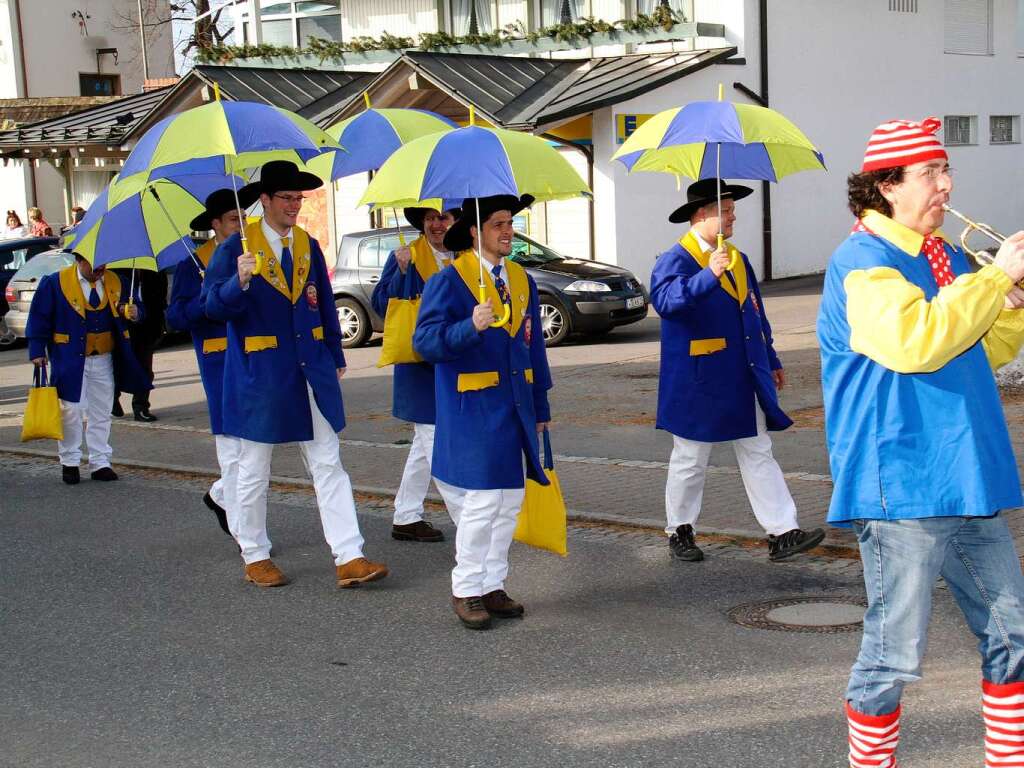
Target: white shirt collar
273,238
705,246
87,286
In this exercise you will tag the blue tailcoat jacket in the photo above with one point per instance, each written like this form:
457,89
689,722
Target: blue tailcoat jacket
209,337
279,339
491,386
716,348
57,326
413,390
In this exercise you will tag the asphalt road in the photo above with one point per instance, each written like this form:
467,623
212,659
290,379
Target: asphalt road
130,639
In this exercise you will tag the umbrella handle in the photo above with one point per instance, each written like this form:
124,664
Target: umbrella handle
733,253
482,293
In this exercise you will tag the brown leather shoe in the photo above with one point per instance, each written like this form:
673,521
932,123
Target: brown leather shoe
471,612
356,572
263,573
498,603
421,530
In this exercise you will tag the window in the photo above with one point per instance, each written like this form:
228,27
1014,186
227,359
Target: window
388,243
681,7
324,27
960,129
99,85
471,17
293,23
278,32
560,12
903,6
369,252
968,27
1004,129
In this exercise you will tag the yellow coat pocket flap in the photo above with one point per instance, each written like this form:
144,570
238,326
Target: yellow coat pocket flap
529,375
318,333
61,338
259,343
219,344
706,346
470,382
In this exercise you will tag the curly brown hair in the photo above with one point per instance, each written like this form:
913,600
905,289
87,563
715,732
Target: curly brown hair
863,193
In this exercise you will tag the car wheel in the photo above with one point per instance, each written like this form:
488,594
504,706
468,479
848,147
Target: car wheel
554,319
355,325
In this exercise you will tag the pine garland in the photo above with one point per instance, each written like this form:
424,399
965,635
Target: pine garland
663,18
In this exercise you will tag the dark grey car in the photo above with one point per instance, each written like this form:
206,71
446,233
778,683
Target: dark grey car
23,286
576,295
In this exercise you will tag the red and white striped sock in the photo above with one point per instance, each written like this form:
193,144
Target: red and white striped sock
873,738
1002,707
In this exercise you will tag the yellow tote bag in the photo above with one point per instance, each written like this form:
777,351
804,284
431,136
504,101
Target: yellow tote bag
42,414
399,325
542,520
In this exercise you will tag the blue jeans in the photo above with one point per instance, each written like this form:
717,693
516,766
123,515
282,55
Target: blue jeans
902,562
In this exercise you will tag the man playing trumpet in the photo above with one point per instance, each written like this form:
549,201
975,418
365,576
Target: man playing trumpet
919,450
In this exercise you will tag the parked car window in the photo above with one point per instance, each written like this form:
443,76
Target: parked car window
369,252
44,265
530,252
16,258
388,243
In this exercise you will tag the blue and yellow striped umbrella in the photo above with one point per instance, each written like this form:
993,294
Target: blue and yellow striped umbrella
372,136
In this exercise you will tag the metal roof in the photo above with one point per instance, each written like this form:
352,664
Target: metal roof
524,93
103,125
312,93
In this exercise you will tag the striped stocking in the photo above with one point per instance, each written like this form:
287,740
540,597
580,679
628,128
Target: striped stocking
1002,707
873,738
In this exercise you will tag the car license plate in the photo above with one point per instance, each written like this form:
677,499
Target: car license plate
634,302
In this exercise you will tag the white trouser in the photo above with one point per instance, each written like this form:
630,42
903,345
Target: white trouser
322,456
223,490
94,405
486,521
762,477
416,477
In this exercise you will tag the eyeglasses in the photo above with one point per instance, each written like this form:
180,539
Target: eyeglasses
289,198
932,172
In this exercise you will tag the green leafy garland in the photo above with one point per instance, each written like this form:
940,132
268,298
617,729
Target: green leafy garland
663,18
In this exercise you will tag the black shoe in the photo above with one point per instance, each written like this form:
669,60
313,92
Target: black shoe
218,510
793,543
682,545
143,414
421,530
117,410
104,474
70,475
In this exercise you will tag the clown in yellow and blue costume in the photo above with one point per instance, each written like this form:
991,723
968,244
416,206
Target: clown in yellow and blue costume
405,274
282,373
209,337
78,320
920,454
491,387
719,374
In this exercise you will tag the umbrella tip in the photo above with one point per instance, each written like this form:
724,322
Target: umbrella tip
216,92
472,115
366,99
721,92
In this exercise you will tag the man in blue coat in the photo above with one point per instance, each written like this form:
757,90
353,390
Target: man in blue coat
491,377
77,320
406,272
282,373
209,337
719,374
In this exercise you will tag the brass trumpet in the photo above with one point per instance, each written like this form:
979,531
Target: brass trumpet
980,255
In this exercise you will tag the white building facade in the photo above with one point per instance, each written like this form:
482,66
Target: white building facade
73,48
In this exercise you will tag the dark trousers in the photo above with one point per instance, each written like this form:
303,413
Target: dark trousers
143,350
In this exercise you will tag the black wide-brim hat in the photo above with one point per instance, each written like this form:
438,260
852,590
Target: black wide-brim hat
458,237
220,202
284,176
702,193
415,216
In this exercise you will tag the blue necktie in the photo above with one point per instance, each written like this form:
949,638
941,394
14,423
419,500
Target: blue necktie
94,297
499,284
286,261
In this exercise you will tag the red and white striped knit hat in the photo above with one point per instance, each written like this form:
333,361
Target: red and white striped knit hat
903,142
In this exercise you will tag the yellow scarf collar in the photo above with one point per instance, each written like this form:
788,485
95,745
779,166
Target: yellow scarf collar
900,235
272,272
71,287
738,272
468,266
423,257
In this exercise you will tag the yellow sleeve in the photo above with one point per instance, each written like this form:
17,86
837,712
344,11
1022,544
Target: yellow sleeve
1004,339
892,323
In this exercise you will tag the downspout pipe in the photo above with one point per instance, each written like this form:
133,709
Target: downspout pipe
24,93
766,192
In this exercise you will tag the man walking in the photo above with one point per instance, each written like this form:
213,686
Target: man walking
282,374
719,374
405,273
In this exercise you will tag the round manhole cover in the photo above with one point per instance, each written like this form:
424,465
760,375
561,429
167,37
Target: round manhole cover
826,614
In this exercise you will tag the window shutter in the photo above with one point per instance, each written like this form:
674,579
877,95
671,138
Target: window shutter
968,26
